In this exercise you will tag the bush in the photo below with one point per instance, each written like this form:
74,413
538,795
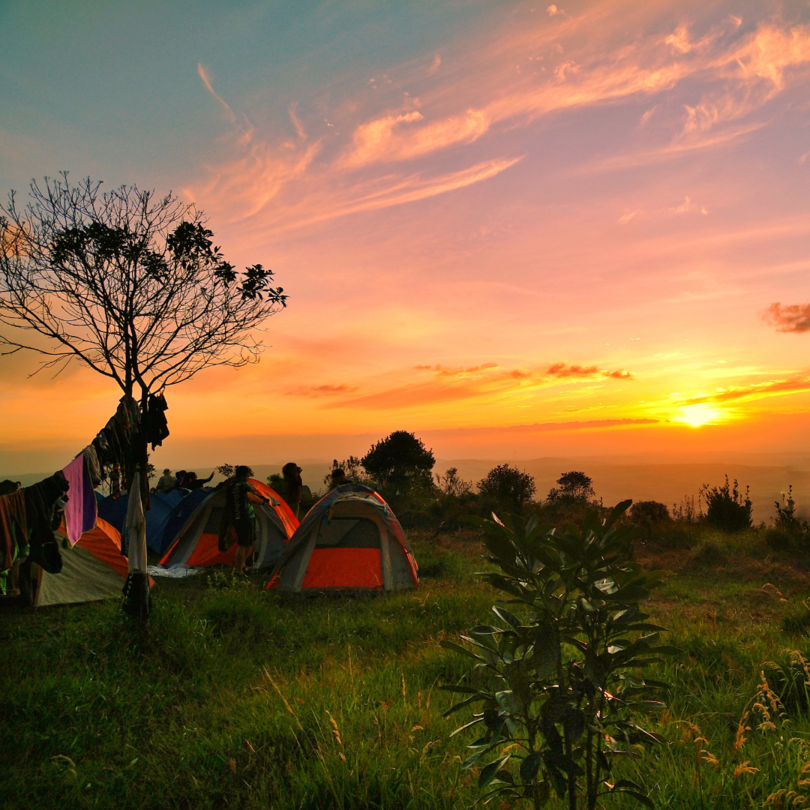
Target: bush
727,510
779,539
508,487
649,516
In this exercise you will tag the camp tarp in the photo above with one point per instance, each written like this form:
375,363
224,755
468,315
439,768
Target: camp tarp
197,542
93,569
349,540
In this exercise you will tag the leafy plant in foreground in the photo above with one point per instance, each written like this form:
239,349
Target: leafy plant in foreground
558,681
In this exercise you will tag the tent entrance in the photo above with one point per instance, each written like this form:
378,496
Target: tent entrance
348,533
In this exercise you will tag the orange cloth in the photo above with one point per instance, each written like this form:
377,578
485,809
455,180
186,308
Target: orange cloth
12,509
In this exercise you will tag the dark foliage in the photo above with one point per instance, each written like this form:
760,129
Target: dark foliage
399,461
726,508
573,486
507,487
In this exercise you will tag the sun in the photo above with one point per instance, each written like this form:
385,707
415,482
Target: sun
699,415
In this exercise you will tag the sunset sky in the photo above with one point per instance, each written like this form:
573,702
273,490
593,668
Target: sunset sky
516,229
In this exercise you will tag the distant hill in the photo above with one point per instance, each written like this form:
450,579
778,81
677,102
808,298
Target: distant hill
613,480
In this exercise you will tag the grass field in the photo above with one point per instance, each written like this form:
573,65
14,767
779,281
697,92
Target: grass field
237,697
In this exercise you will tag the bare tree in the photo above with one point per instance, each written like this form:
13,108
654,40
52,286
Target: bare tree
127,282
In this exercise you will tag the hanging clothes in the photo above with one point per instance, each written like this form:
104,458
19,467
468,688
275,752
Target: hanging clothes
12,517
44,504
154,426
93,465
82,510
136,588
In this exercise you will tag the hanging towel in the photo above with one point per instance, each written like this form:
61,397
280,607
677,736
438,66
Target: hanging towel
81,512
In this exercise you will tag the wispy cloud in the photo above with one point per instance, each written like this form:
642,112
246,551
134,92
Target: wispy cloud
573,63
793,385
390,138
206,79
485,381
561,371
689,207
317,391
791,318
548,427
325,202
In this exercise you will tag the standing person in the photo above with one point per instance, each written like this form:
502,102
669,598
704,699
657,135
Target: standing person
166,482
295,485
240,496
192,482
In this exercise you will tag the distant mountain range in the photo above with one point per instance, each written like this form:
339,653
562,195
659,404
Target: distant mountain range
614,479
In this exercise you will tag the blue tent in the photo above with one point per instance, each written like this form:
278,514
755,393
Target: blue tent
181,513
163,506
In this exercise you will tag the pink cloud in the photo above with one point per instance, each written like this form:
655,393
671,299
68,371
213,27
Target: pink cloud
791,318
386,139
206,79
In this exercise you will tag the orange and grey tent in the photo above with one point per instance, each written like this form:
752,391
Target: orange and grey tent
197,542
349,540
92,569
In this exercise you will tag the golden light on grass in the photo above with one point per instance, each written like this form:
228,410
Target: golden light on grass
699,414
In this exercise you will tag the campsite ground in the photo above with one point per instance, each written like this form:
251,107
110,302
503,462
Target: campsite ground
237,697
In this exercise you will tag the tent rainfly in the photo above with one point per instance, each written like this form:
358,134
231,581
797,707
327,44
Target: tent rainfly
93,569
196,543
349,540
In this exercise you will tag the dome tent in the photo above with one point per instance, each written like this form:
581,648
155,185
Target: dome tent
197,541
349,540
92,569
162,510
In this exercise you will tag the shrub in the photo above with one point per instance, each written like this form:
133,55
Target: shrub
686,511
648,516
726,509
277,483
507,486
451,484
574,486
353,468
779,539
559,685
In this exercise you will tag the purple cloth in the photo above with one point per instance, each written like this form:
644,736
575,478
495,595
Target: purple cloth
81,511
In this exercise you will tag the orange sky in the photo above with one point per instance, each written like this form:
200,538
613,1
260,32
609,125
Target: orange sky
590,218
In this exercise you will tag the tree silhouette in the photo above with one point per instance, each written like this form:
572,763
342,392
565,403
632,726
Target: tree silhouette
508,486
400,460
574,486
128,283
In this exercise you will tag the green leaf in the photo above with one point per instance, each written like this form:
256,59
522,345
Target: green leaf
491,771
530,766
617,512
546,651
500,546
451,645
506,616
463,704
573,723
485,630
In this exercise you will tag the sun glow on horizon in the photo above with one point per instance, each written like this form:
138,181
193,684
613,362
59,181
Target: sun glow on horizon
699,415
